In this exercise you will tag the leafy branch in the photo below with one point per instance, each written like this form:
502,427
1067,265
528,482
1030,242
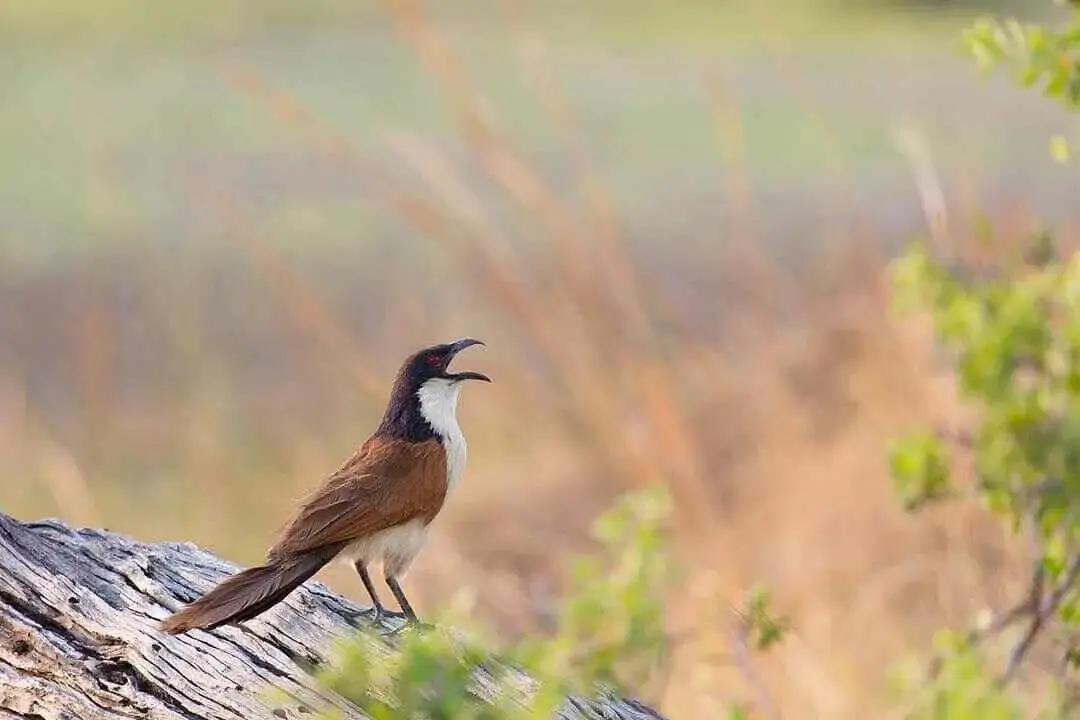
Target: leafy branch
1015,340
1045,58
609,638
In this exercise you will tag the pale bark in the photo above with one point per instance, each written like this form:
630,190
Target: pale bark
78,637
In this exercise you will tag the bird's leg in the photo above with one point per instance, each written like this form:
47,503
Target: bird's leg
399,595
361,569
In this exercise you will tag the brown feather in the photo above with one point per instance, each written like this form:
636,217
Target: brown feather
376,507
386,483
248,593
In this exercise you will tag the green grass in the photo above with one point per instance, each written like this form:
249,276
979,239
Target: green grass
131,22
112,107
625,23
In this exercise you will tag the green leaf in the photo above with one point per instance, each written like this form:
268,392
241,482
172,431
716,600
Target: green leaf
737,712
920,469
1059,148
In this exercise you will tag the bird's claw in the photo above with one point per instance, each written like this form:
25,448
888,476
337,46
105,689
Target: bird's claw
385,615
410,624
375,616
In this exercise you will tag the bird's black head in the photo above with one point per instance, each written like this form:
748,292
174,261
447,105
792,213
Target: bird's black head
434,362
426,372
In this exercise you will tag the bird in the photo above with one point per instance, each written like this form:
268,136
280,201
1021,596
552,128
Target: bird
376,508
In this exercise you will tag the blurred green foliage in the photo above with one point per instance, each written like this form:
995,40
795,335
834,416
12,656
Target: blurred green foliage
609,638
1014,337
919,467
963,689
48,21
609,635
1047,58
623,21
1015,340
763,628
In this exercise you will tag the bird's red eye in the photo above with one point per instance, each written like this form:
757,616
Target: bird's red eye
434,359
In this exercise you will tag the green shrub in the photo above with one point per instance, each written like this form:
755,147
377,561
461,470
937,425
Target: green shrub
1041,57
1014,337
609,638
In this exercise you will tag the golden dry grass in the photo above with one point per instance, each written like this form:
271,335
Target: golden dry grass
773,442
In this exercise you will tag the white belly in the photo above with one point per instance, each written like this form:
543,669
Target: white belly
454,445
395,547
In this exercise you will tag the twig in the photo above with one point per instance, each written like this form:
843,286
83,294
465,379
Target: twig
1021,648
740,643
1027,606
912,145
1038,610
1070,692
1064,662
1042,614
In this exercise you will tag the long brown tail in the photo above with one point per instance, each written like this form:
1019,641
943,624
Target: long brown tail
249,593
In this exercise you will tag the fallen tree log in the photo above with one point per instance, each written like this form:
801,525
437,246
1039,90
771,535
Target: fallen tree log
78,637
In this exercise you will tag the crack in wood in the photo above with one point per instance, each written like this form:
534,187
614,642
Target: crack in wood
78,637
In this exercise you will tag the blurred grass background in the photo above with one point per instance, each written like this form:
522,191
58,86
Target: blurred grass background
222,225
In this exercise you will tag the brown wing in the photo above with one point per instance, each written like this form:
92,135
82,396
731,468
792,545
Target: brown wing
386,483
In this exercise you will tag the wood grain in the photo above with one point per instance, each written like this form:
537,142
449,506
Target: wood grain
78,640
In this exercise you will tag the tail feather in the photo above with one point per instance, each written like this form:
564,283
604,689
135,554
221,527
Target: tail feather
248,593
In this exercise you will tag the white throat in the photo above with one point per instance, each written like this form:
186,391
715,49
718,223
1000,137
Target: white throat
438,404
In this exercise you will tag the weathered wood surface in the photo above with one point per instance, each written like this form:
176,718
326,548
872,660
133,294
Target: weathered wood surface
78,636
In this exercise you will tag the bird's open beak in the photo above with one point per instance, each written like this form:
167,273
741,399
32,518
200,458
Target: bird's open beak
457,347
463,343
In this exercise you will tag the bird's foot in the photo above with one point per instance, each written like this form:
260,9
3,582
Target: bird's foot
390,615
374,616
409,624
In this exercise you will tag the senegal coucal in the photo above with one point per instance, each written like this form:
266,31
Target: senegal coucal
376,508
